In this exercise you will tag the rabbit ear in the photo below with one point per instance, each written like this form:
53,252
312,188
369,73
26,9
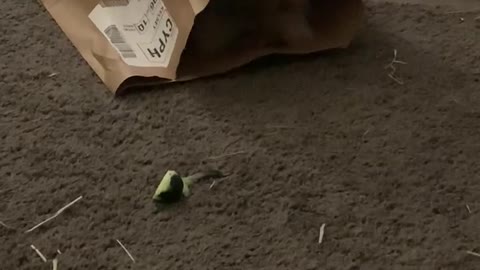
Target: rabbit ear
298,28
294,28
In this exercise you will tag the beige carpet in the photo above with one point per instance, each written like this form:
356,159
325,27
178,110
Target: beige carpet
391,168
459,5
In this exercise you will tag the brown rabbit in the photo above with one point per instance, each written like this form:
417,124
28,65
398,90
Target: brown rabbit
238,24
233,32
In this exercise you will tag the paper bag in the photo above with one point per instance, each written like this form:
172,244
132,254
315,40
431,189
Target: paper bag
142,42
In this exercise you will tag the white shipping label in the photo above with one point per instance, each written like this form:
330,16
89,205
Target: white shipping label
142,31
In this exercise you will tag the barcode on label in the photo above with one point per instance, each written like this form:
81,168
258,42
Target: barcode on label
119,42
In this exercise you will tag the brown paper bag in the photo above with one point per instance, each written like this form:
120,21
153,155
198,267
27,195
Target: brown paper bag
140,42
